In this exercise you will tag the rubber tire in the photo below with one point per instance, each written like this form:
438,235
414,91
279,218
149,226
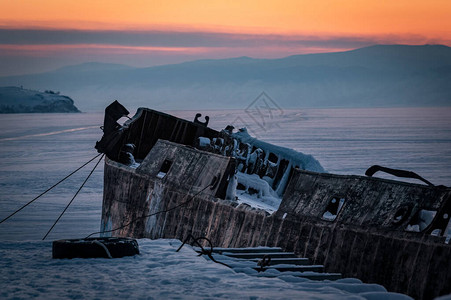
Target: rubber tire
88,248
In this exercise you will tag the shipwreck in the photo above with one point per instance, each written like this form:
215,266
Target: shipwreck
248,193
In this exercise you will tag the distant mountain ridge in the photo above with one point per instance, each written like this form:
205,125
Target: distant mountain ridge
19,100
381,75
93,67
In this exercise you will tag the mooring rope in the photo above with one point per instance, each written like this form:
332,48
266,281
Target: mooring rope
104,247
50,188
67,206
156,213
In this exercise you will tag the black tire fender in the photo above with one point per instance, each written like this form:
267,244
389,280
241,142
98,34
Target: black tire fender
108,247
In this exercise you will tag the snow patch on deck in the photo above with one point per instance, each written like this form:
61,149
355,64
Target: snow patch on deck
257,192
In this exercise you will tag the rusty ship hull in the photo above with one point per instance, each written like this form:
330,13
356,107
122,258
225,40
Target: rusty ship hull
355,225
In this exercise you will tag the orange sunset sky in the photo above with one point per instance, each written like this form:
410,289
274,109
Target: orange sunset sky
43,35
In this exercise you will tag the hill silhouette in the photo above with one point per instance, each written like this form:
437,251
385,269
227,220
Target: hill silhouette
382,75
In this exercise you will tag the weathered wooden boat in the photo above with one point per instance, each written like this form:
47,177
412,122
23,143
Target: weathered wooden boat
166,177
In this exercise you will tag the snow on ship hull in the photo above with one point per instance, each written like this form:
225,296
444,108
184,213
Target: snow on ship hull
354,225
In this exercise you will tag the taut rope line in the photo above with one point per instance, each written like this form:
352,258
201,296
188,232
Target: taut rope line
67,206
46,191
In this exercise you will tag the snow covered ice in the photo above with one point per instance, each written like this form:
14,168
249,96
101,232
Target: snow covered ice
27,270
